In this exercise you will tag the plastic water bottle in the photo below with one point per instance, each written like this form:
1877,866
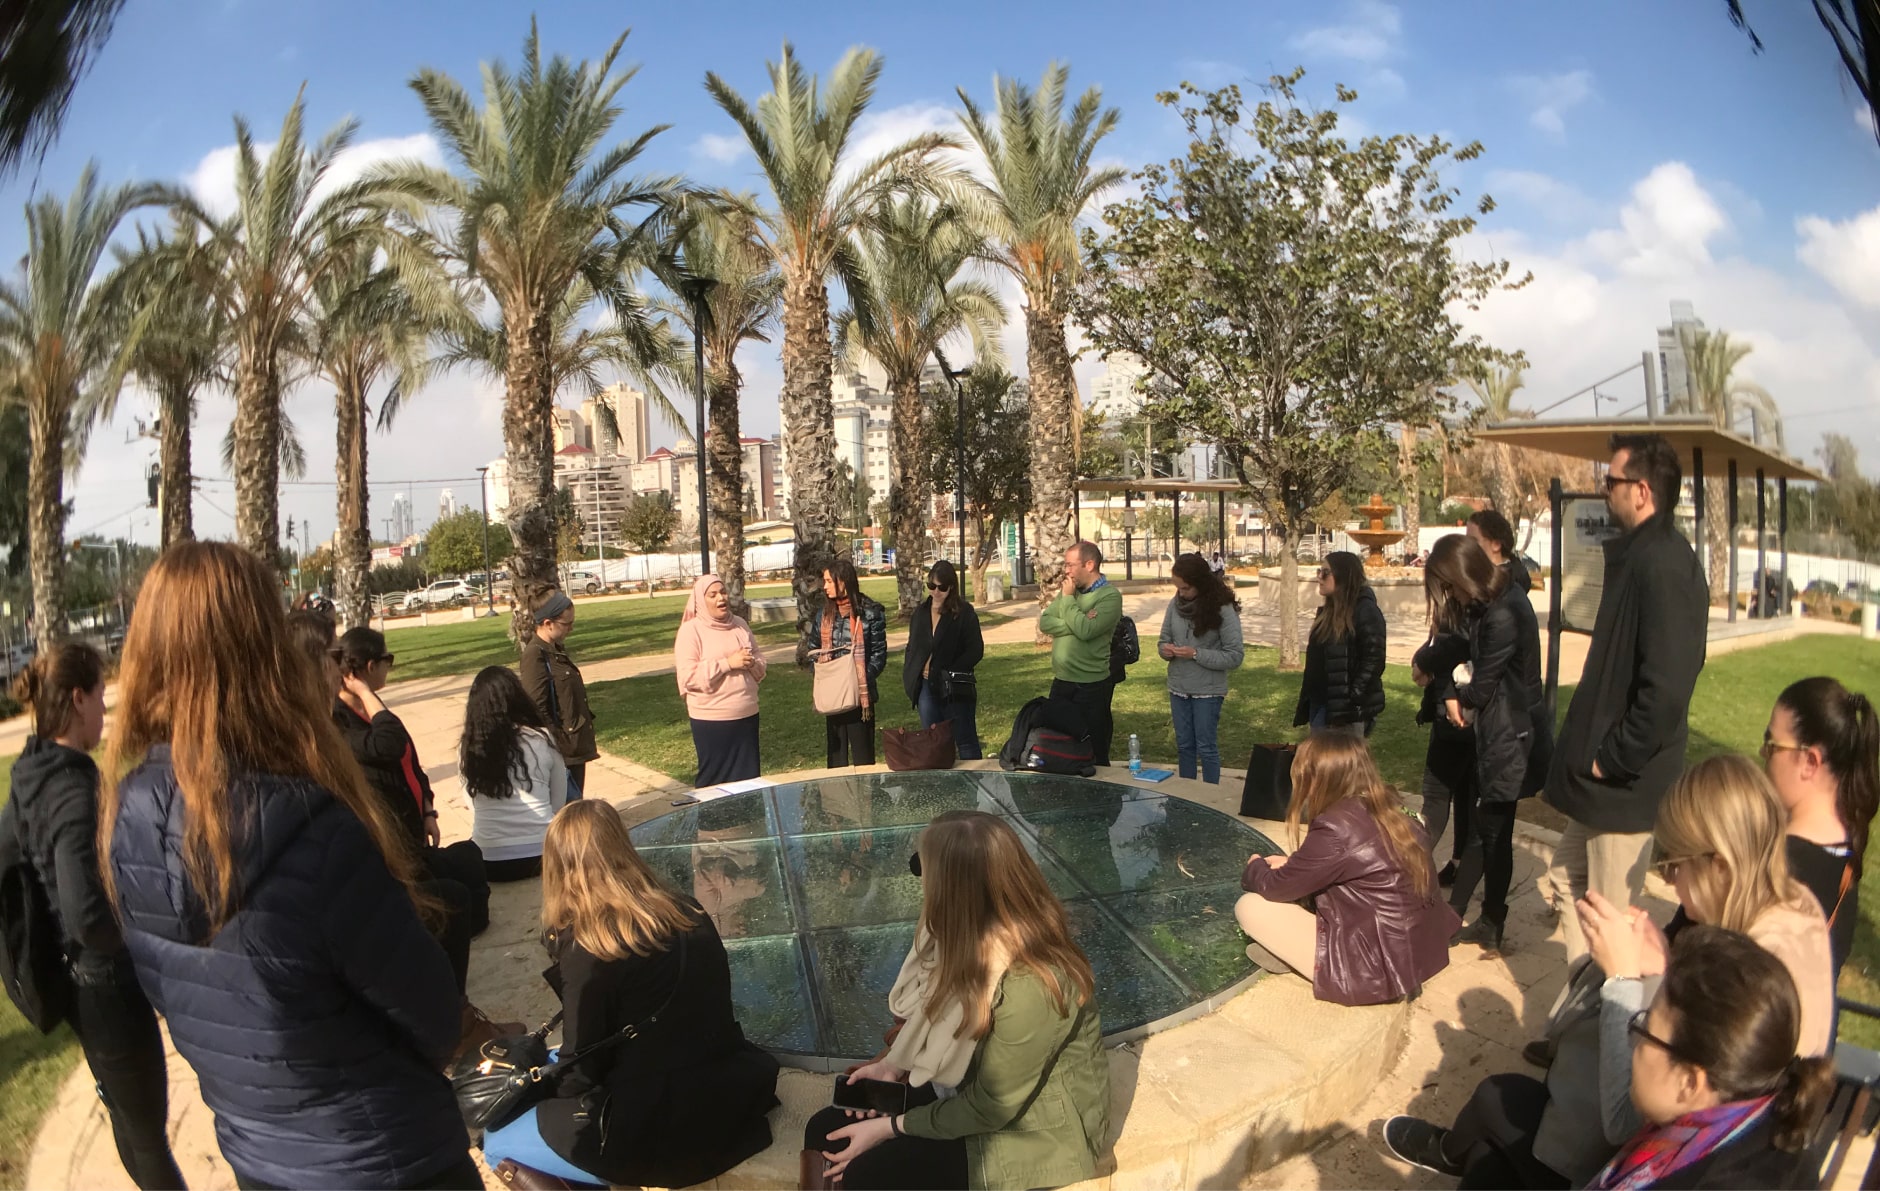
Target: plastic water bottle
1135,754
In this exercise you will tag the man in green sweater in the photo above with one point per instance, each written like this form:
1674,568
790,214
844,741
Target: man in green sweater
1079,623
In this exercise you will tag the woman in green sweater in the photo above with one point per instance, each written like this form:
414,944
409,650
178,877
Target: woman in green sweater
1001,1038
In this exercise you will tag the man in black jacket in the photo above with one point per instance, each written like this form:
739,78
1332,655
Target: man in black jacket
1622,744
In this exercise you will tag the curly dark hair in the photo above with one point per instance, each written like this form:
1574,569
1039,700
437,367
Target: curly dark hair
490,757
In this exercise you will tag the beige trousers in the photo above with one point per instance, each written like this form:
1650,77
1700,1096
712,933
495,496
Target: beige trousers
1289,931
1610,862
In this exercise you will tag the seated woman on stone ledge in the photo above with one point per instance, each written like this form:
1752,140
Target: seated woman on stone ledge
1001,1037
1378,928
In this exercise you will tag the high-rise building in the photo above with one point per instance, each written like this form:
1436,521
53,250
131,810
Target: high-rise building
628,405
1114,393
570,428
1674,376
401,517
446,504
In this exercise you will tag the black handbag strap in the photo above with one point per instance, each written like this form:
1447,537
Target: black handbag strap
625,1034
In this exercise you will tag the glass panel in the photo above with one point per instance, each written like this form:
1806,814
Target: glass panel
859,878
738,881
849,801
1121,845
1193,929
855,969
770,992
1037,793
1131,989
740,816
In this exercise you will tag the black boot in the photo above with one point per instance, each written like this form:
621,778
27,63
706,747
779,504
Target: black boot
1447,877
1484,931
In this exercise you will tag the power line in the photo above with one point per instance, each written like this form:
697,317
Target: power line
108,520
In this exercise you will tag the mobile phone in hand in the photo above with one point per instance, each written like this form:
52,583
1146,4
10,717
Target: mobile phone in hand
889,1099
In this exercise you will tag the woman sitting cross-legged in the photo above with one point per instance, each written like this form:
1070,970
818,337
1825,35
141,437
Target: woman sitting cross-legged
1721,831
1380,928
514,774
1001,1033
686,1099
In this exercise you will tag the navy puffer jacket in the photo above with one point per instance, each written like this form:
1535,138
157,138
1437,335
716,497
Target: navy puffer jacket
319,1017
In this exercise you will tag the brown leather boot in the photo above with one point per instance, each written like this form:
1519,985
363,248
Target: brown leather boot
526,1178
812,1171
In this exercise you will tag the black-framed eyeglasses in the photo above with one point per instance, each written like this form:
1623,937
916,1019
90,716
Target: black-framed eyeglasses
1613,482
1635,1026
388,658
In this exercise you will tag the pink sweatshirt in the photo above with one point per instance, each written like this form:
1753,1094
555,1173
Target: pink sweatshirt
711,691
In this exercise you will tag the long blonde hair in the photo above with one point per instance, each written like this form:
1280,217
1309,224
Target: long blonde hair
982,896
210,670
1333,766
1724,819
597,889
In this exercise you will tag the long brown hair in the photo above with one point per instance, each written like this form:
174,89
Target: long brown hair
1735,1014
1458,574
597,890
982,893
1211,593
1724,809
210,670
48,683
1333,766
1340,611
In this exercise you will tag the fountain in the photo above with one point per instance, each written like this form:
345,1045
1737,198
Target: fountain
1377,537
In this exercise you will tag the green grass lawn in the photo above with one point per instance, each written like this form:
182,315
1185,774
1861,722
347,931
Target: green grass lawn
610,629
32,1066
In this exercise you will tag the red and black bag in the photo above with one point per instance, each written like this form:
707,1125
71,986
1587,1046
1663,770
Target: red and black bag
1050,751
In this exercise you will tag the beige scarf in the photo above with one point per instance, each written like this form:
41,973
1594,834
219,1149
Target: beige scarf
929,1048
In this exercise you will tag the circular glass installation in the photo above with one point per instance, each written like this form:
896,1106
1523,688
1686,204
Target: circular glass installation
809,885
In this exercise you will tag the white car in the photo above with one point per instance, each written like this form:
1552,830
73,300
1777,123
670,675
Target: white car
443,593
586,581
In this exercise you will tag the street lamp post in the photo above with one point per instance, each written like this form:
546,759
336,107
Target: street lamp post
696,290
489,579
959,451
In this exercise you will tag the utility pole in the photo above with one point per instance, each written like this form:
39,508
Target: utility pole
489,579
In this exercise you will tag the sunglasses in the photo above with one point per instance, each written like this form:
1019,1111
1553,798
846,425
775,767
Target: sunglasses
1325,572
1613,482
936,587
388,659
1770,747
1636,1028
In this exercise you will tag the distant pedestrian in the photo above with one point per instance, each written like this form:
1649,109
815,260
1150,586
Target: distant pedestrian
1218,564
1081,622
1622,744
1343,688
719,665
944,646
515,778
1201,642
852,626
554,682
52,819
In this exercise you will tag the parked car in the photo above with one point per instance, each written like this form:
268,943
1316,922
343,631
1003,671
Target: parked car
441,594
586,581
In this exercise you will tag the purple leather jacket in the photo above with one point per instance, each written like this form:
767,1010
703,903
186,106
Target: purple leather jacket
1377,941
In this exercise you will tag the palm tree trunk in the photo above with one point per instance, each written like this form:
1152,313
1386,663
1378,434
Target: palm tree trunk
1721,535
177,408
352,554
258,458
47,423
909,496
1053,461
528,441
724,480
808,412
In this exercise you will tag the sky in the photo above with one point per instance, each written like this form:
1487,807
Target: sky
1637,153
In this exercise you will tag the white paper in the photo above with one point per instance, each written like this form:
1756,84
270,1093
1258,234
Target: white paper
729,788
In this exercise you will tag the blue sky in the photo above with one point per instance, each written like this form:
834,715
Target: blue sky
1639,153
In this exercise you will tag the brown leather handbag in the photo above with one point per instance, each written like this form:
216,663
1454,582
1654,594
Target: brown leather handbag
920,748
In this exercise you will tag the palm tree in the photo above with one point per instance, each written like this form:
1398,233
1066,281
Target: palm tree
45,47
1710,360
179,353
723,246
904,303
800,135
539,204
65,343
1041,180
1495,388
363,325
287,229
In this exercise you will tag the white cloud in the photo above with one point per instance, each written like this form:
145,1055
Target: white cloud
723,148
1368,33
1384,83
1556,201
213,179
1846,254
1596,301
877,132
1550,97
1863,116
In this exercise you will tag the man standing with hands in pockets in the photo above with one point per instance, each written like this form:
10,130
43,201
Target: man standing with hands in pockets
1080,623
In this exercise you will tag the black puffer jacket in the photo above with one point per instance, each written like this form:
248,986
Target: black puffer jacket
55,801
1513,739
385,751
956,645
1353,668
1450,758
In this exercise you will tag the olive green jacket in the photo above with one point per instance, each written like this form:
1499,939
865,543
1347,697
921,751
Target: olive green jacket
1080,628
1035,1105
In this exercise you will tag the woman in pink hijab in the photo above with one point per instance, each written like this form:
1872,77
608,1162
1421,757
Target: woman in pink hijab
719,667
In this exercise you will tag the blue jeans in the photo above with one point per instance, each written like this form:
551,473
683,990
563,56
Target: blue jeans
1197,722
522,1141
964,716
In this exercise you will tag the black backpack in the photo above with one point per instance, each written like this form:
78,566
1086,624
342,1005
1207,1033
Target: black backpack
1125,648
32,954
